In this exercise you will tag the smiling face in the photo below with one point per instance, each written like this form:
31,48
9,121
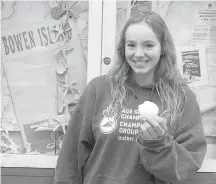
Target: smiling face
142,50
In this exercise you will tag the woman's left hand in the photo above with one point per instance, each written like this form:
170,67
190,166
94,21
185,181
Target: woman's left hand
154,127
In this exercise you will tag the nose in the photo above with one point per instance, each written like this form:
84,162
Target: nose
139,53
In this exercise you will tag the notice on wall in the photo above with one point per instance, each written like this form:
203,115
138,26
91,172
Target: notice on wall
32,83
207,15
192,64
31,60
200,33
37,37
30,70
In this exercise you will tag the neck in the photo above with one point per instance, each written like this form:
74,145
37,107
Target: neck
144,80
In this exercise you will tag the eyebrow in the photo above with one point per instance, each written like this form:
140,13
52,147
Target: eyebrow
144,41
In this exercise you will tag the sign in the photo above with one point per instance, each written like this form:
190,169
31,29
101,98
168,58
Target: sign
192,64
22,41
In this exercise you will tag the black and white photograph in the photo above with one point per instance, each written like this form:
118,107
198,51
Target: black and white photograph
108,92
192,64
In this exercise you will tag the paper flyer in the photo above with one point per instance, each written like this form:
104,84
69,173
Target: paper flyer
31,67
192,64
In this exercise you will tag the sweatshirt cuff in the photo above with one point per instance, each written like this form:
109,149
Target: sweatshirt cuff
156,145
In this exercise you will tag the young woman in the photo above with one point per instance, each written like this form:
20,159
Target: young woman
107,142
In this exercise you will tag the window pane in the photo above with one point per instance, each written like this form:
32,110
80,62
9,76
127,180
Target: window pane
44,69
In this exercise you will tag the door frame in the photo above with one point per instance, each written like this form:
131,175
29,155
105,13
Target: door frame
94,39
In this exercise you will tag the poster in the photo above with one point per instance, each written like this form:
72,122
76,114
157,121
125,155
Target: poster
34,57
27,54
30,69
192,64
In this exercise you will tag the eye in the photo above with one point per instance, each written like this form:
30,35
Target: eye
130,45
149,45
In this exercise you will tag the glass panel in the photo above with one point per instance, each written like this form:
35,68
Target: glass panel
43,72
121,17
191,24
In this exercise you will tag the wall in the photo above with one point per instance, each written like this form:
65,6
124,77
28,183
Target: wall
45,176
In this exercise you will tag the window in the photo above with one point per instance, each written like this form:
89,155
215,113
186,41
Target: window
44,70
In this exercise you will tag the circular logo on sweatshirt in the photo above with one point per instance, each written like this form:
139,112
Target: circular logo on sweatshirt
108,125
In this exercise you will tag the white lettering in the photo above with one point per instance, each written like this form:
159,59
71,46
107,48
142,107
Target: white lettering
128,131
129,124
136,117
126,138
131,117
127,111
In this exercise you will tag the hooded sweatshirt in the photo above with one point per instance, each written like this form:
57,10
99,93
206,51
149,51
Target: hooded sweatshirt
102,146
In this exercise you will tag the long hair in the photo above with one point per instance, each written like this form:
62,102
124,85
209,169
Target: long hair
169,83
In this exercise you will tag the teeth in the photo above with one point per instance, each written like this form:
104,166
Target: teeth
141,63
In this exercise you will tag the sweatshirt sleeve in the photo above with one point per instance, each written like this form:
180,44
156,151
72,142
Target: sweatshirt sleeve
171,158
77,142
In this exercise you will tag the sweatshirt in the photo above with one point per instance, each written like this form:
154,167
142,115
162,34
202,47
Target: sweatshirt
104,147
